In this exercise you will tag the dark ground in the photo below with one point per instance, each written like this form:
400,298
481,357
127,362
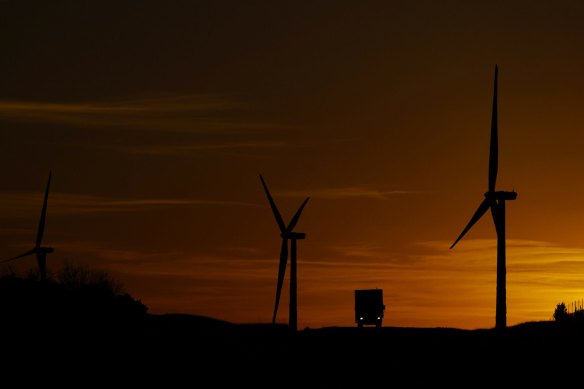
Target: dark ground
192,351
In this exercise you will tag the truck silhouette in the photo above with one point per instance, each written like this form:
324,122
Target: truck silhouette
369,307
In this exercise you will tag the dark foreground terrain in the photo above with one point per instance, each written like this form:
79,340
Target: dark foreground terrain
192,351
81,330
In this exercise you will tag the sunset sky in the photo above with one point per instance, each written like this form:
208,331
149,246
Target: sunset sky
157,118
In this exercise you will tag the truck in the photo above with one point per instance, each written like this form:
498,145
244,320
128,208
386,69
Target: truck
369,307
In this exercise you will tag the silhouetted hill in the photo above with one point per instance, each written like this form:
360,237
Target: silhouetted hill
53,333
173,349
265,355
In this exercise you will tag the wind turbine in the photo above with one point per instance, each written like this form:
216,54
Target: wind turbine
40,251
495,201
287,233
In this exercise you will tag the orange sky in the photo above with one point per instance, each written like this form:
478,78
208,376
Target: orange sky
157,119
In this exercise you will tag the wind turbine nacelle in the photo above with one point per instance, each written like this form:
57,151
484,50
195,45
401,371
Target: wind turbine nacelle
293,235
47,250
501,195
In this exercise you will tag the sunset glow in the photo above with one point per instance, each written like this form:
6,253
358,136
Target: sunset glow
157,120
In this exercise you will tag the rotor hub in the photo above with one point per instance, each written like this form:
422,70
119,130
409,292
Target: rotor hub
293,235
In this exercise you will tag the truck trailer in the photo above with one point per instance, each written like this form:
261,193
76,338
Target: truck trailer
369,307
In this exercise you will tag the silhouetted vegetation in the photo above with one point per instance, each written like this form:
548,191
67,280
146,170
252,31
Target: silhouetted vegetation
561,312
76,300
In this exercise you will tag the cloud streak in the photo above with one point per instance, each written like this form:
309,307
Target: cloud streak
362,251
185,150
190,113
348,192
64,203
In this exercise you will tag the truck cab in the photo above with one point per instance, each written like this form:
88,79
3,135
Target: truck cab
369,307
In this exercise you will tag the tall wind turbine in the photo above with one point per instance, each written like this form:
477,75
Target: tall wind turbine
287,233
495,201
40,251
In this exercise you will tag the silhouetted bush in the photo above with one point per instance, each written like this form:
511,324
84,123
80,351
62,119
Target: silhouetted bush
76,301
561,312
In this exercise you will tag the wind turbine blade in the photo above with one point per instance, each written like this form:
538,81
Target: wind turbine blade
483,207
294,220
277,215
43,215
30,252
494,149
281,273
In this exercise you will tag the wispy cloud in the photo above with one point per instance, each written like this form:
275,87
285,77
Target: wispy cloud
539,274
520,253
172,104
65,203
185,150
361,251
76,203
349,192
191,113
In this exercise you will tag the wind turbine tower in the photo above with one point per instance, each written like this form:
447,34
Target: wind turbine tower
495,201
287,233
